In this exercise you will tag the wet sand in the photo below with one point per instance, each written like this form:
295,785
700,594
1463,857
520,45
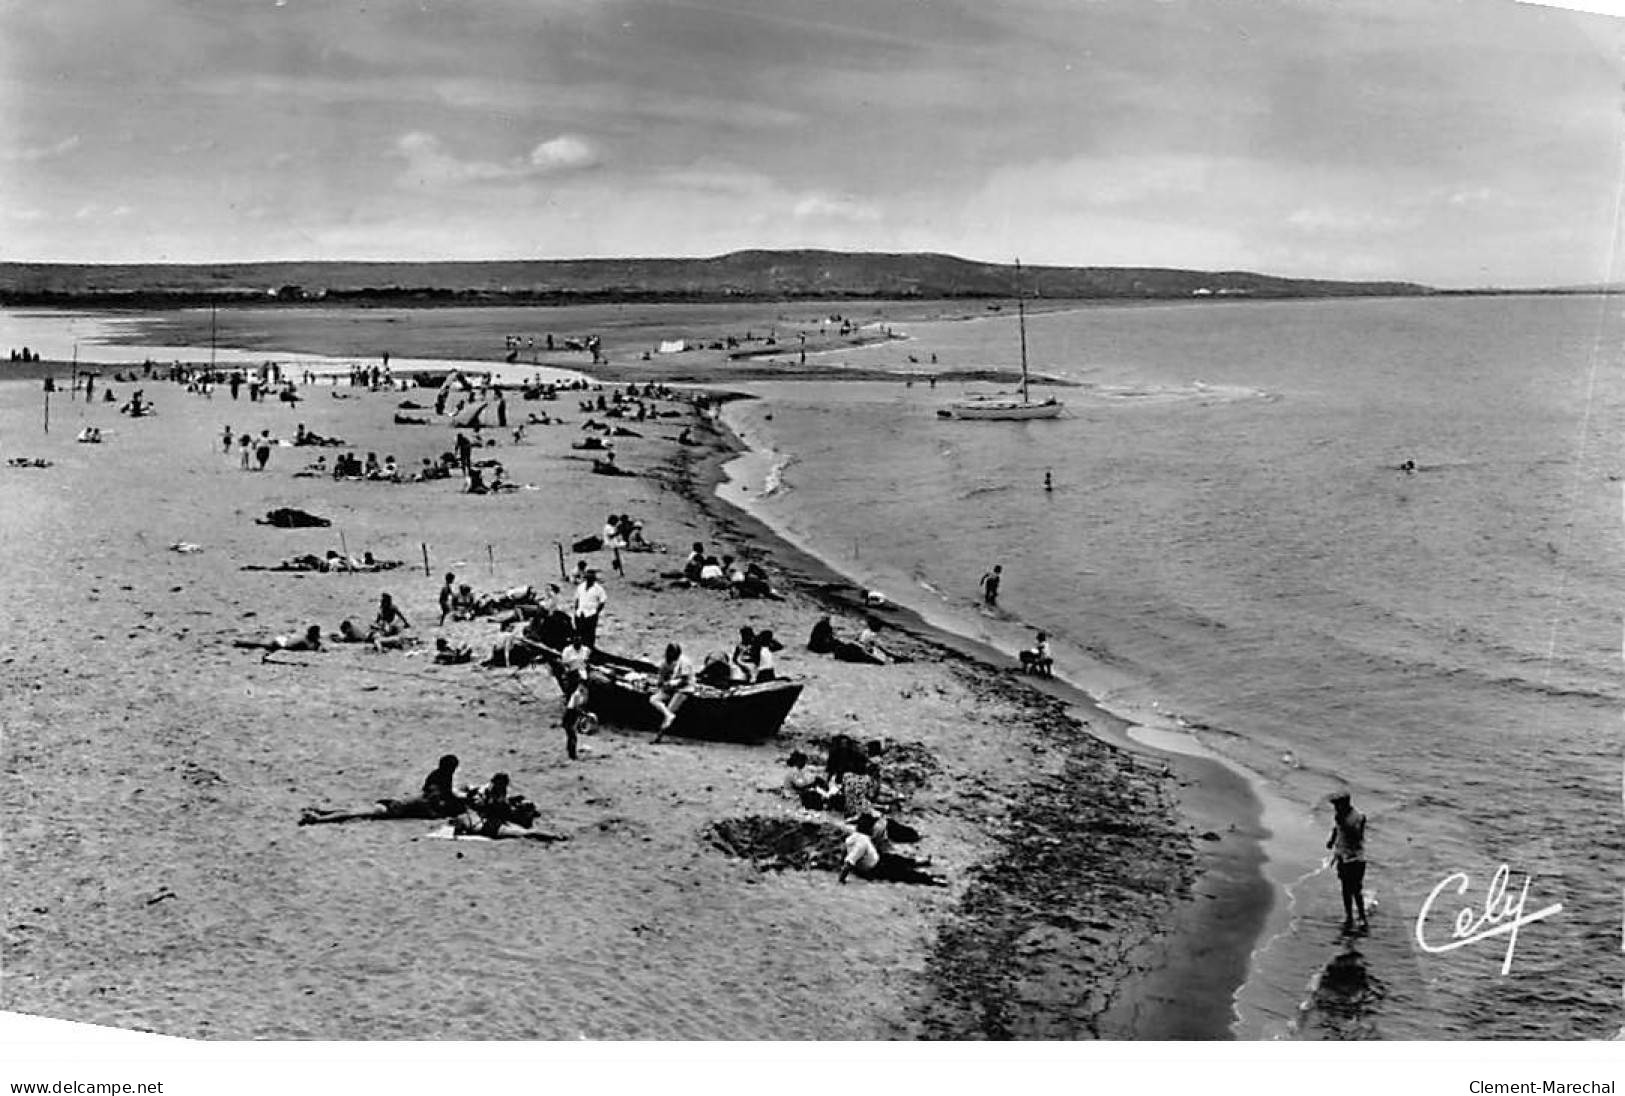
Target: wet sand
156,879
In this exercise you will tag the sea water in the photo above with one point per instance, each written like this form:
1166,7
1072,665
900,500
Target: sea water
1233,554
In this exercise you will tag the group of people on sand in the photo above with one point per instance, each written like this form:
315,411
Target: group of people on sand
332,562
742,580
824,640
389,630
488,810
752,661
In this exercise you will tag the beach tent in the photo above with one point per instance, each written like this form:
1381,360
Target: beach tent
476,415
673,346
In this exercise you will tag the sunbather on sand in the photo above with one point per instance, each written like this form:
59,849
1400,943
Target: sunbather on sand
447,655
311,640
438,800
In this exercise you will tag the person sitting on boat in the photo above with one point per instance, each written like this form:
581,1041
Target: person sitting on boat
438,800
719,672
672,687
744,654
1037,658
309,640
765,645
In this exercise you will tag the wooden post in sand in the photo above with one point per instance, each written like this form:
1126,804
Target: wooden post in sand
491,557
425,560
48,387
343,547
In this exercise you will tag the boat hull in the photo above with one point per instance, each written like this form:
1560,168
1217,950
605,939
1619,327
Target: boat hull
1008,410
618,691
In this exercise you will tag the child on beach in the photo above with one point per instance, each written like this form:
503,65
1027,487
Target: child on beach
1037,659
990,585
1347,843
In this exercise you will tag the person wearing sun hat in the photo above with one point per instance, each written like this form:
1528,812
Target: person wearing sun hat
1347,843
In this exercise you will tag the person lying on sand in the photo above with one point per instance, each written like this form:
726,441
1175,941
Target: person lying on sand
90,435
311,640
438,800
349,633
447,655
29,462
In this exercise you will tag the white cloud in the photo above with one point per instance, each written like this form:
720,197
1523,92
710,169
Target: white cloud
823,206
429,164
44,152
566,152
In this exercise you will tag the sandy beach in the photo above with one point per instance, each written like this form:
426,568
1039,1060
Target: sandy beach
156,877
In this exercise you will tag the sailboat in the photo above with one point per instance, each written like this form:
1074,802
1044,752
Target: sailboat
1004,407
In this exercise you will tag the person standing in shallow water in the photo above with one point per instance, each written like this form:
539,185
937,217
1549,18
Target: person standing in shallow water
990,584
1347,843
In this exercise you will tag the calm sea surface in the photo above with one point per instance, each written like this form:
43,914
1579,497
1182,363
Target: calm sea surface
1232,556
1232,552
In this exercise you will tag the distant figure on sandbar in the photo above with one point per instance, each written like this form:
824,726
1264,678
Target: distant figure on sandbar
1049,482
1408,467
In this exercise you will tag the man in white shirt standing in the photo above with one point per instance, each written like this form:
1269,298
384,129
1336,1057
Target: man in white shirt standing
591,597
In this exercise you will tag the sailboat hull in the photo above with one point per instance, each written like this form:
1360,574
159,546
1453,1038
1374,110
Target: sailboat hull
1009,410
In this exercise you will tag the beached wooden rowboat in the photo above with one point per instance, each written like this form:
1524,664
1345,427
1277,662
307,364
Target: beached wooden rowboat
618,691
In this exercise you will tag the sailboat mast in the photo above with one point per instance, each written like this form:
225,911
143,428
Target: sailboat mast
1021,319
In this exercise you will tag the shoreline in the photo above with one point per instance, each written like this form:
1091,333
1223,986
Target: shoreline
1179,984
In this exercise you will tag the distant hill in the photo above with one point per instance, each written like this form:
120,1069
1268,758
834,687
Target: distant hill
741,274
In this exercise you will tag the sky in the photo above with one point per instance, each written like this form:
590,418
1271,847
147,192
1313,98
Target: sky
1450,142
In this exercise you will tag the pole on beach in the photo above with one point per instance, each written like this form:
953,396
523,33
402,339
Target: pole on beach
563,574
491,558
48,387
343,547
425,547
